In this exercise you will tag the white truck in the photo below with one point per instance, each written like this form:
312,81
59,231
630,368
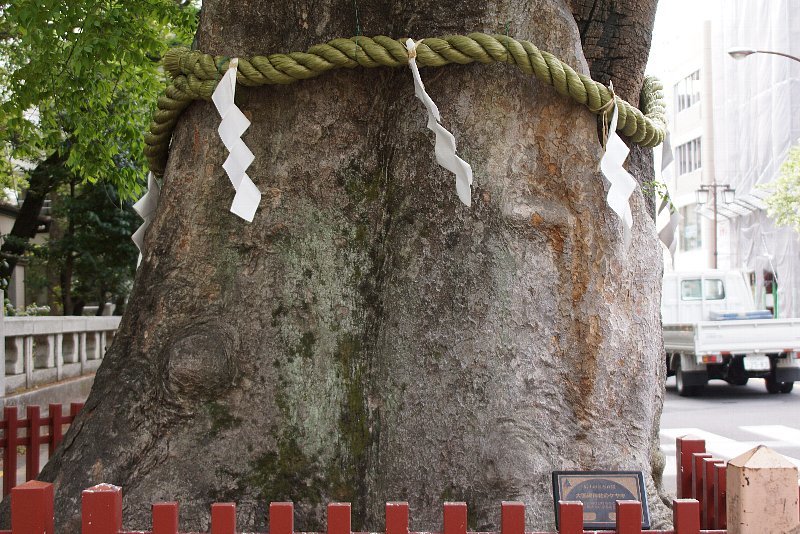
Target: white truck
712,330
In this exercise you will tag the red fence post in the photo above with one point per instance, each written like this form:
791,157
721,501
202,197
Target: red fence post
223,518
74,408
686,516
32,508
10,452
339,518
165,518
101,510
512,518
629,517
396,518
697,475
570,517
56,420
707,516
455,518
685,446
34,442
720,497
281,518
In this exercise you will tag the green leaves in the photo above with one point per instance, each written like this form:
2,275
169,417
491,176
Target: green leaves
81,75
92,241
783,204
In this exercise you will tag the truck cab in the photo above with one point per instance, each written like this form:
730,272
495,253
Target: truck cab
692,296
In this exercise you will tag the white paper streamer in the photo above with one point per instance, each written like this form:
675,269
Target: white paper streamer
622,183
666,153
445,148
146,208
231,128
668,233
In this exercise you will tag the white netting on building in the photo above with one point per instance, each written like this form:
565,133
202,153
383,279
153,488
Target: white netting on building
756,121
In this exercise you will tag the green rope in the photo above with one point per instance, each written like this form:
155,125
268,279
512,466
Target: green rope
195,76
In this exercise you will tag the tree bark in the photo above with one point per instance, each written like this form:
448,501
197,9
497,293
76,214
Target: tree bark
43,179
367,338
67,269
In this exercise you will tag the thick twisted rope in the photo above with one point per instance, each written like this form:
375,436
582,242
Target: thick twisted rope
195,75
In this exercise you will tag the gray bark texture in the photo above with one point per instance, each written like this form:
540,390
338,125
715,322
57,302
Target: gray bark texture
368,338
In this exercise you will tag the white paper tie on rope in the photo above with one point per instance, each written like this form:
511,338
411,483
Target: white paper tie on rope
622,183
668,233
146,207
231,128
666,153
445,148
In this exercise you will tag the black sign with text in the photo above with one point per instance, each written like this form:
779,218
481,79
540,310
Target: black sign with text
599,492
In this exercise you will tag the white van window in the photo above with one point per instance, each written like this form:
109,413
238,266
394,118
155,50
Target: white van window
712,289
690,290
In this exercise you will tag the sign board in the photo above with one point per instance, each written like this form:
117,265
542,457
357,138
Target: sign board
599,492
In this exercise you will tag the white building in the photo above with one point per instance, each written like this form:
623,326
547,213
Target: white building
732,124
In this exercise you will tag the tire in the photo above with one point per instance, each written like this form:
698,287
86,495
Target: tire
736,375
773,386
683,389
786,387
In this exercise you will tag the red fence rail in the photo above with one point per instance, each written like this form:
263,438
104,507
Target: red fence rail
31,438
700,504
702,477
101,513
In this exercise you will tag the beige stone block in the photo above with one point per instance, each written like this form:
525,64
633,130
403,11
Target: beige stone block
762,493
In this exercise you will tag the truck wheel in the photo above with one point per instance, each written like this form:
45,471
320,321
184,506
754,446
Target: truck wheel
683,389
736,375
786,387
773,386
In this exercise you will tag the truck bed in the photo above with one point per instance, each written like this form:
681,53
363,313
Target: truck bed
760,336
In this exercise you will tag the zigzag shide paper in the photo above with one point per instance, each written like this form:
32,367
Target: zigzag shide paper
146,208
445,147
231,129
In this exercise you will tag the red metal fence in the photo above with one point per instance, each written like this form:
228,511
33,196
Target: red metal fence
702,477
700,504
32,438
101,513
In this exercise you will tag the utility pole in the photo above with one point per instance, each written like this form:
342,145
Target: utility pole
728,194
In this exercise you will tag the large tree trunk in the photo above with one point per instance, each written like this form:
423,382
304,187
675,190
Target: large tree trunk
367,338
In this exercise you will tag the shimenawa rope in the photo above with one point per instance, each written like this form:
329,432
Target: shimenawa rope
195,76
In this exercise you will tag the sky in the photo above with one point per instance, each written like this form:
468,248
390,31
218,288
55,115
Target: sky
672,18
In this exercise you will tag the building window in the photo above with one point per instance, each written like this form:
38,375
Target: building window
687,92
688,156
690,234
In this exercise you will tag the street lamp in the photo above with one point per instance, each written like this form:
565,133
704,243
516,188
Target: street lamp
741,53
728,196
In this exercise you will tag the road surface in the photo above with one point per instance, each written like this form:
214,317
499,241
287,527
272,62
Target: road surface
732,420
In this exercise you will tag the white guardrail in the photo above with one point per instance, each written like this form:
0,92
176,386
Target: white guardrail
44,350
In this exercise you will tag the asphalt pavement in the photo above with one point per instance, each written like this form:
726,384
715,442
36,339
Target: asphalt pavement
732,420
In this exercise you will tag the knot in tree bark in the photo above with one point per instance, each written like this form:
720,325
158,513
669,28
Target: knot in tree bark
201,362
